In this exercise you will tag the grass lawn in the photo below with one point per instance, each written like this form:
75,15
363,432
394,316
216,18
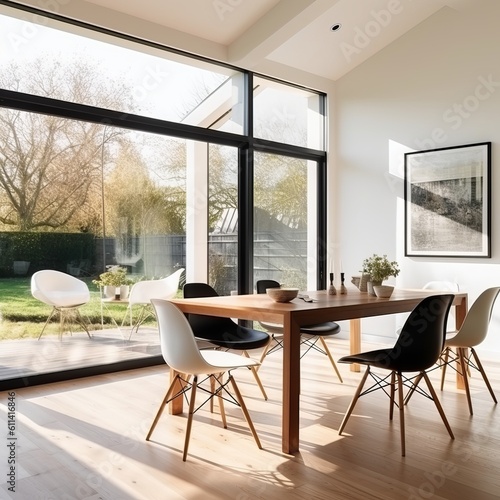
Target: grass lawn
22,316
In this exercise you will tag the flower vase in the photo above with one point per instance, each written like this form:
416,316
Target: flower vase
370,286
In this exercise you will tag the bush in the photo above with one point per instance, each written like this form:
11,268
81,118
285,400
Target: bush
44,250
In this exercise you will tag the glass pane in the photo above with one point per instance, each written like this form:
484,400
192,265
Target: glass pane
78,65
284,205
283,113
223,219
80,197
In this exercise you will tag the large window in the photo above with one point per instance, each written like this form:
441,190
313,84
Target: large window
125,153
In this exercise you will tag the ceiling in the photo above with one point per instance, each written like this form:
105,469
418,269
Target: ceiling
292,33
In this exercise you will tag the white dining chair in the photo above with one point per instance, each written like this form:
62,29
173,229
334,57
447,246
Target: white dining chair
181,353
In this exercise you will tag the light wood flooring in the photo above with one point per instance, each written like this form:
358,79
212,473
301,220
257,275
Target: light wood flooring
84,439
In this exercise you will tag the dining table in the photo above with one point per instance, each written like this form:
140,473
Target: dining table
352,306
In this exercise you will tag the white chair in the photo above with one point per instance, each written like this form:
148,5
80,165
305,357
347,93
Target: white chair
142,292
64,293
472,333
181,353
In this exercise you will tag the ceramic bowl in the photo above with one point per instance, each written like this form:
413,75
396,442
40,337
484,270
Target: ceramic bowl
282,294
383,291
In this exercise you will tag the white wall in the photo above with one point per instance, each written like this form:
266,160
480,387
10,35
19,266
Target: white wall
403,99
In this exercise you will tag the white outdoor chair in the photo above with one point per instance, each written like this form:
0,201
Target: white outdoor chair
181,354
142,292
64,293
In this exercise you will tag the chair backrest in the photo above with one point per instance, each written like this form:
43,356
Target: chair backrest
207,326
443,286
262,285
422,337
143,291
58,289
178,345
475,326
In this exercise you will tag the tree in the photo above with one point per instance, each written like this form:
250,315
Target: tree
50,165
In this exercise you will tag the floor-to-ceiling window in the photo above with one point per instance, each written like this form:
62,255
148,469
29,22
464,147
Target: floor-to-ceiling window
151,154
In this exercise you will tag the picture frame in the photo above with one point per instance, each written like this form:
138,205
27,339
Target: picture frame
447,194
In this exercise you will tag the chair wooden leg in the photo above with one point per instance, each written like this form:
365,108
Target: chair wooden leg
461,351
330,357
245,411
354,400
401,413
190,416
446,354
162,405
483,373
256,376
264,353
221,399
438,404
391,394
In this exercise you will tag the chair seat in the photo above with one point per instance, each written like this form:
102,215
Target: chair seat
223,361
240,338
321,329
66,298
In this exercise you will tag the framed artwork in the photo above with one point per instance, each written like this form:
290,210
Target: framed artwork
448,202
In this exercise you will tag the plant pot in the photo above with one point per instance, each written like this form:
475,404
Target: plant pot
372,284
108,291
383,291
124,292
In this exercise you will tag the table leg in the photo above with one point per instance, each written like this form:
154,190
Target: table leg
460,313
176,405
291,386
355,340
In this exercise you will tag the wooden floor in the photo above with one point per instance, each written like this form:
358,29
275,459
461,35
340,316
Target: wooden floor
84,439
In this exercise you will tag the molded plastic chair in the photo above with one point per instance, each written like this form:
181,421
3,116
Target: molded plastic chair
142,292
417,348
224,332
64,293
309,334
181,353
473,331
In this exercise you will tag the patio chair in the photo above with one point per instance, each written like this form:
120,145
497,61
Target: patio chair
142,292
181,354
64,293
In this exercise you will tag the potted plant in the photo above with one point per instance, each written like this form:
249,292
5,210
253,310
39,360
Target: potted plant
114,282
379,267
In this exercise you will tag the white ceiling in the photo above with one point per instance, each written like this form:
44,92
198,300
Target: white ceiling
293,33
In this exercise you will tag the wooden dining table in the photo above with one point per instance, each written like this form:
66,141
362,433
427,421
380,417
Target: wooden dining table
352,306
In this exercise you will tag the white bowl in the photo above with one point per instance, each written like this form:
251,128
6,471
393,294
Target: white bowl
383,291
282,294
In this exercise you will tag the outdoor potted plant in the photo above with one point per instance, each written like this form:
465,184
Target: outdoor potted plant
114,282
379,268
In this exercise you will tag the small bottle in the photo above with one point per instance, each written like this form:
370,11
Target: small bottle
331,290
343,289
